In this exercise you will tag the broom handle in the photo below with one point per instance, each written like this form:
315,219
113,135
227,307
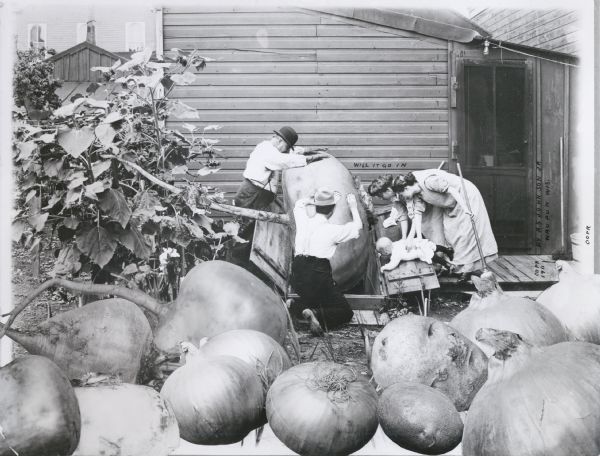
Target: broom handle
466,197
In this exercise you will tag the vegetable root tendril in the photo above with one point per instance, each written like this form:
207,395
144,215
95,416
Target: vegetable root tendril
334,381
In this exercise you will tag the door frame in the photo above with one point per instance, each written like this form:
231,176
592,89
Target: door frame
465,58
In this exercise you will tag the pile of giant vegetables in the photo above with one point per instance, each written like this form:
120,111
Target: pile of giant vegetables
124,419
322,408
419,418
111,336
490,307
39,413
538,401
575,300
216,399
350,260
423,350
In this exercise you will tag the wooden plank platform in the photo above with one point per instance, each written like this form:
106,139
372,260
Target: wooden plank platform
518,271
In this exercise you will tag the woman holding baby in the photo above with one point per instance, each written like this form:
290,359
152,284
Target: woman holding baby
435,203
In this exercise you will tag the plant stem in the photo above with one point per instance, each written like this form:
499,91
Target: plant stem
135,296
266,216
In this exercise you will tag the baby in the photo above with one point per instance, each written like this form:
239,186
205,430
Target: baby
406,250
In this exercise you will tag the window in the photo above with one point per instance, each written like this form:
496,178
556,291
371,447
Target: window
36,35
135,36
495,116
81,32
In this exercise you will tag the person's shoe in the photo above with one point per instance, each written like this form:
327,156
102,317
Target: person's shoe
315,326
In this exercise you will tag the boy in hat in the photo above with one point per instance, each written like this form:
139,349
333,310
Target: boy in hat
321,302
259,188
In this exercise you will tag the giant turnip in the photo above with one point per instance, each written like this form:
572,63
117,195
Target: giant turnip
349,263
490,307
215,296
111,336
254,347
322,408
538,401
423,350
39,413
419,418
217,400
575,300
125,420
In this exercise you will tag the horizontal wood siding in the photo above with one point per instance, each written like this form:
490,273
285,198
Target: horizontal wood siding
552,30
376,97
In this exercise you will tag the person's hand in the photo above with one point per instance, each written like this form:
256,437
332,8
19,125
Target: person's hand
316,157
351,199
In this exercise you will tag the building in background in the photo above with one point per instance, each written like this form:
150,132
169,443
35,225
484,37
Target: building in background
125,29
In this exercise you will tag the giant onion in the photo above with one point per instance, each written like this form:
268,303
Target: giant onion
322,408
419,349
537,400
217,400
575,300
492,308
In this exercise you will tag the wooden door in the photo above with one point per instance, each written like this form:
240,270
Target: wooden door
496,138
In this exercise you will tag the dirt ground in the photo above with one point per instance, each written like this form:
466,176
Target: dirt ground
347,344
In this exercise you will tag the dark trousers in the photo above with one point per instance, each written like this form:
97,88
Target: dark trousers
312,279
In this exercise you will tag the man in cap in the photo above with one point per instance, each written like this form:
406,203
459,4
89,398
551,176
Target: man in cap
259,188
321,301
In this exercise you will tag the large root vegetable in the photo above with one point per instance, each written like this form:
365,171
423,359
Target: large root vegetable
254,347
39,413
217,400
423,350
575,300
111,336
322,408
492,308
125,420
215,296
538,401
419,418
349,263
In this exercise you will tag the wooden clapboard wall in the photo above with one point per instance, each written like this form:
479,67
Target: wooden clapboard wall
377,97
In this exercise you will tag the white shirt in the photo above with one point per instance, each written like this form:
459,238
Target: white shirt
315,236
264,160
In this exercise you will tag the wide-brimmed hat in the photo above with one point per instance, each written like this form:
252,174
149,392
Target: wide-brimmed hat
288,134
324,196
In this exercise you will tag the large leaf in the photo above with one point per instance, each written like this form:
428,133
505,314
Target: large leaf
18,228
115,205
186,78
98,244
55,198
75,140
26,149
112,118
146,207
67,261
182,110
38,221
105,133
99,167
93,189
134,241
52,167
194,230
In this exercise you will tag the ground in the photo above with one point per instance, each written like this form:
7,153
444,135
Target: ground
347,343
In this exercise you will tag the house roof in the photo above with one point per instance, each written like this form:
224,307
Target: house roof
86,45
443,24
